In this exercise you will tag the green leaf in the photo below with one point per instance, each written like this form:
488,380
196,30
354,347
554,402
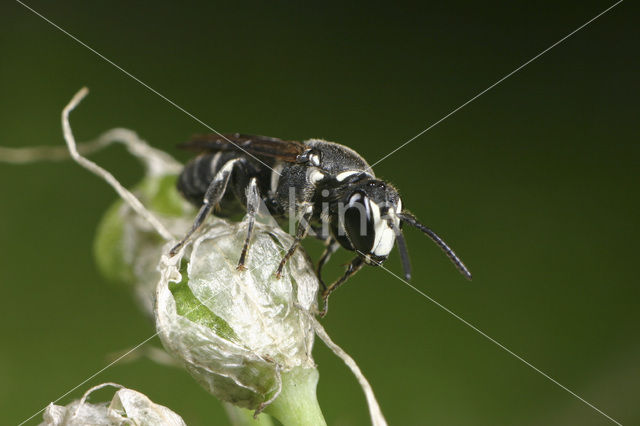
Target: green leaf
188,306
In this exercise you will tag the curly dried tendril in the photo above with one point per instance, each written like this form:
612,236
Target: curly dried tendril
99,171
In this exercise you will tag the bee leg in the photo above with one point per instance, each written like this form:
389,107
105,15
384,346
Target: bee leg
253,202
353,267
318,232
332,247
214,194
301,232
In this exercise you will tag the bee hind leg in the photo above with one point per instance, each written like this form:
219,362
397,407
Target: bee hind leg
212,197
253,203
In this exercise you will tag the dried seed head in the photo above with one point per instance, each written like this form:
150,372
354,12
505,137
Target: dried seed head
126,407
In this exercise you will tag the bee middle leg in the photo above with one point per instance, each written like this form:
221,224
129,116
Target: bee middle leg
301,233
214,194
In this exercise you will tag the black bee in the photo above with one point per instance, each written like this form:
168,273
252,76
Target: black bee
326,187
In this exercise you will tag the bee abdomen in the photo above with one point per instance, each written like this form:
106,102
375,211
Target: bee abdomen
197,175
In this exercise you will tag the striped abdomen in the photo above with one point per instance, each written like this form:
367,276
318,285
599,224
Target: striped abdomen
198,174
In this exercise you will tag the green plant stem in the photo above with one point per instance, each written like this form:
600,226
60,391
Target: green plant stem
297,404
242,417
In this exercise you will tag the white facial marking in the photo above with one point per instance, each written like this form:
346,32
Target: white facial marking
354,198
314,159
385,244
384,236
373,211
367,207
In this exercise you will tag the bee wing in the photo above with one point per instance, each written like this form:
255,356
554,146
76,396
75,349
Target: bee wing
261,146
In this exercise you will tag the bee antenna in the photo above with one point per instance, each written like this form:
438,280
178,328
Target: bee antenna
402,248
411,220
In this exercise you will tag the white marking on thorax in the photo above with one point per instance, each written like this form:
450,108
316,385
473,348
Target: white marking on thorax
343,175
315,176
314,159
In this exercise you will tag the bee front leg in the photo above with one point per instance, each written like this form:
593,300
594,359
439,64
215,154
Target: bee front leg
253,203
355,265
301,232
332,245
214,194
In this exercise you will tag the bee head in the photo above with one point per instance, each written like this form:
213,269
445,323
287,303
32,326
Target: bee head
370,222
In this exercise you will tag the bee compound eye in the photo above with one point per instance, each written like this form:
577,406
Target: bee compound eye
359,224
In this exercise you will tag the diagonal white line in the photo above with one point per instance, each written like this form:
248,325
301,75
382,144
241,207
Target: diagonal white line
143,83
500,345
392,152
498,82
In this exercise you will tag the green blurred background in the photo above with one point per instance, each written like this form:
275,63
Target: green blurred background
534,184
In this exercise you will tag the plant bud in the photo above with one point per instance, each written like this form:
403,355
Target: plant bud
236,331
